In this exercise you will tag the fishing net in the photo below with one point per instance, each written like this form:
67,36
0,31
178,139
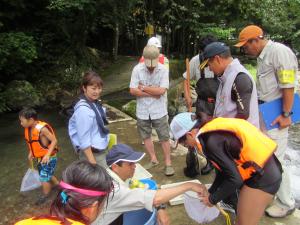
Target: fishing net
198,211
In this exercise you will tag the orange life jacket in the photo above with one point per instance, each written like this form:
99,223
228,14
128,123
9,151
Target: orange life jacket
46,221
161,59
32,137
256,149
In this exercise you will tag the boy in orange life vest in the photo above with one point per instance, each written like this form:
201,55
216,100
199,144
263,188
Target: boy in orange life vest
41,142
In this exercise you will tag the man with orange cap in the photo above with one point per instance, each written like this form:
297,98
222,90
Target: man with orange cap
276,78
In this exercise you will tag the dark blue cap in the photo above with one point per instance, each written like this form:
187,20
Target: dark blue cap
214,48
211,50
122,152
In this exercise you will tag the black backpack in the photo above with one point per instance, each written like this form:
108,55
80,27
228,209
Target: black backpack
192,164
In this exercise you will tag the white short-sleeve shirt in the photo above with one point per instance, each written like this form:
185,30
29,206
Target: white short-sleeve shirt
148,107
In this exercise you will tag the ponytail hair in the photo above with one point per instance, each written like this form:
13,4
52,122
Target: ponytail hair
83,175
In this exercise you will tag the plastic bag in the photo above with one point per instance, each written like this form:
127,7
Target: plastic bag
197,211
30,181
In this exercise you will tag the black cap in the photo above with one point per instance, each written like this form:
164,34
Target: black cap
122,152
213,49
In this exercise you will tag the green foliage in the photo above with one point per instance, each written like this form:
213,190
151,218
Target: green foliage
3,104
221,33
62,5
48,42
251,69
16,49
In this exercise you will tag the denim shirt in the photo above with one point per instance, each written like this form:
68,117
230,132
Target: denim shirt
84,130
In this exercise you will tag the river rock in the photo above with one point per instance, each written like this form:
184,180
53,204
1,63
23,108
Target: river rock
130,108
20,93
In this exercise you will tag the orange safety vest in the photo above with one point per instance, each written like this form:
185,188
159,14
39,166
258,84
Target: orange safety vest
161,59
46,221
256,149
32,137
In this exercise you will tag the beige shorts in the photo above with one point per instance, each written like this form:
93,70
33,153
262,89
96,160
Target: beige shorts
160,125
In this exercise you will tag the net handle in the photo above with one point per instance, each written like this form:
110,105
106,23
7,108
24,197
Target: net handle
225,214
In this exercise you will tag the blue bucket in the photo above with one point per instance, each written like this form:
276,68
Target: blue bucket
142,216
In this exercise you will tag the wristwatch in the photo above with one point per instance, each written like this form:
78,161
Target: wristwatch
161,206
286,114
142,88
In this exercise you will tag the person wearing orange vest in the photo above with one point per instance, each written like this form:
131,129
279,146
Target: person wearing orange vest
42,145
243,156
162,59
84,189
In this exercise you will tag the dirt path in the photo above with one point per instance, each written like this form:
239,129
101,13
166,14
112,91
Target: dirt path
117,76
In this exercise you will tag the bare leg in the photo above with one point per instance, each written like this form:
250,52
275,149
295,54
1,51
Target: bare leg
167,154
54,181
150,149
251,205
46,188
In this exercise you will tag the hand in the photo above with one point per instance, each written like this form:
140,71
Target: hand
45,159
30,157
163,217
199,188
205,200
282,121
140,86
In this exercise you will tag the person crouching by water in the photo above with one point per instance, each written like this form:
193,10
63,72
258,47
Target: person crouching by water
243,156
85,188
87,126
42,145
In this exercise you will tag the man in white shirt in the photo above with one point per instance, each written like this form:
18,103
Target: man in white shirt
121,161
149,83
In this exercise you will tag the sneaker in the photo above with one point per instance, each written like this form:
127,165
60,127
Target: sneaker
226,207
169,171
277,211
151,165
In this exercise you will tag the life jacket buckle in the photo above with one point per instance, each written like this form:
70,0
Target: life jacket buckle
257,168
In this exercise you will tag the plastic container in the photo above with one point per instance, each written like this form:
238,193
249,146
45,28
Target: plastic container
142,216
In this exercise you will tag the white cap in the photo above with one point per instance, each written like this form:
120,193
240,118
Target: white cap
151,54
181,124
154,41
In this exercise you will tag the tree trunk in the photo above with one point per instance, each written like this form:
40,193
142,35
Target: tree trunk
116,41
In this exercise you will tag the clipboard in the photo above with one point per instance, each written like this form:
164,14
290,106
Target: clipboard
270,110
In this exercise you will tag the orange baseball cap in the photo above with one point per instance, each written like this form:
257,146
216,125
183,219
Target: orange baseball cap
248,33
